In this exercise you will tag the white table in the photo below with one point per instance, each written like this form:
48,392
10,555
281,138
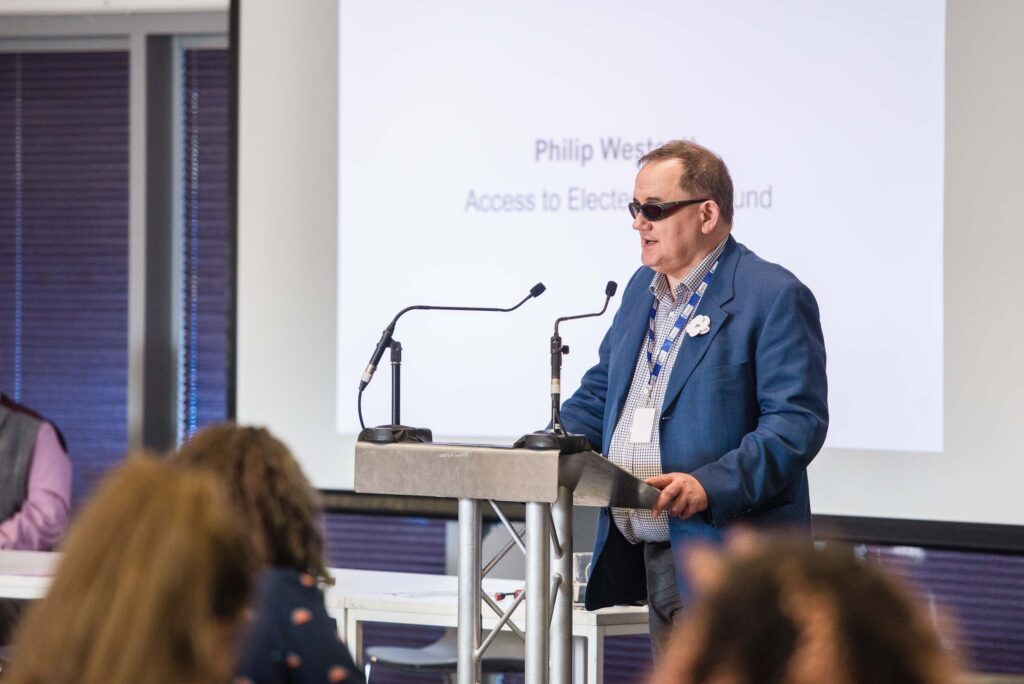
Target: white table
361,596
26,574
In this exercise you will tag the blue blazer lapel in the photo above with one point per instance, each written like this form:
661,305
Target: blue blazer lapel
693,348
633,323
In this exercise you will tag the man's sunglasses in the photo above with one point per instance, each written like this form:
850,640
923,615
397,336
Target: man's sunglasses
655,211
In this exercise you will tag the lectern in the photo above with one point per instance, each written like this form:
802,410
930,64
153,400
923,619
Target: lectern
549,483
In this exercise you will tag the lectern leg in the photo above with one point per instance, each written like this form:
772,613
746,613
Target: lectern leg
470,542
561,567
537,587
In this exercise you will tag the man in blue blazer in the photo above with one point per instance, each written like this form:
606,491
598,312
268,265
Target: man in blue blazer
710,385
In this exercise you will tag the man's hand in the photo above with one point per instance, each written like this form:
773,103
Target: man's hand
681,495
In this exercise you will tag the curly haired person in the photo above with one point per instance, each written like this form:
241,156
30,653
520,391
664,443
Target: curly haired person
292,639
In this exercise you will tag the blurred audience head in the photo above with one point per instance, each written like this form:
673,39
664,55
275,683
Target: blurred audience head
268,489
153,586
782,611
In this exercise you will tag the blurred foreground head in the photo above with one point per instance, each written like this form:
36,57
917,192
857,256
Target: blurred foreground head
782,611
268,489
153,584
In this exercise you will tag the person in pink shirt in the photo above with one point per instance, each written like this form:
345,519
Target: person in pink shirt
35,490
35,480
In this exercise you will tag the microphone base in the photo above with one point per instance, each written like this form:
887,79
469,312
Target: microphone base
392,434
545,440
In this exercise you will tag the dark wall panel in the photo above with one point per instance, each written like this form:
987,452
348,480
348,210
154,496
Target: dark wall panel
982,592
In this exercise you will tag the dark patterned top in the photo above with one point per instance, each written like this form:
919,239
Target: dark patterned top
292,639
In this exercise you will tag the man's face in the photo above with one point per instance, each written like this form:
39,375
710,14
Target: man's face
673,245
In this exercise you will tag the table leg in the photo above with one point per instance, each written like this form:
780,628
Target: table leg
354,638
595,656
579,660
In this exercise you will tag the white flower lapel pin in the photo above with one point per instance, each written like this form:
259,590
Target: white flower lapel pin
698,325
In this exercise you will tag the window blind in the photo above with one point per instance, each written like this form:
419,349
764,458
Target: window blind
64,248
207,278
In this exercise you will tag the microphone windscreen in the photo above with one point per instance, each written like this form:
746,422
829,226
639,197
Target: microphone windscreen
537,290
609,289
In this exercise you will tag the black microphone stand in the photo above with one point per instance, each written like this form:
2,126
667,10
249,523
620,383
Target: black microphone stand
395,432
556,437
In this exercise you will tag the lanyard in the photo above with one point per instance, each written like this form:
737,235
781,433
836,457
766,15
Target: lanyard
655,364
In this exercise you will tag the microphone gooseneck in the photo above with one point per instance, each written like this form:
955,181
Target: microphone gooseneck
558,350
609,292
387,341
385,337
557,437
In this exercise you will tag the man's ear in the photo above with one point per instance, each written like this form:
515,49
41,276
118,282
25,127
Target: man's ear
710,215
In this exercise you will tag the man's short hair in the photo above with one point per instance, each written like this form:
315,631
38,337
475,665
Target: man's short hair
704,172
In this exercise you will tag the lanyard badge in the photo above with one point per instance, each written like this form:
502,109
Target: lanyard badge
643,416
698,325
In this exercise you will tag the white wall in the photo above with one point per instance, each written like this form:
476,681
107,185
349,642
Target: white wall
287,221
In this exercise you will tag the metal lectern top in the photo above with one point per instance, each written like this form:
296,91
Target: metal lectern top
472,471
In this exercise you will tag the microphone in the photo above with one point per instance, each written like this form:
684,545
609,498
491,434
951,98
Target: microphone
556,437
385,338
558,350
609,292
